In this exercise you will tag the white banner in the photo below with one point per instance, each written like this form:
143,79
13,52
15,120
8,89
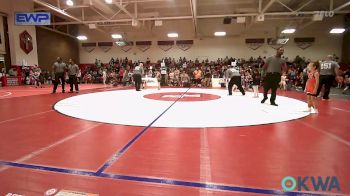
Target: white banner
216,82
150,82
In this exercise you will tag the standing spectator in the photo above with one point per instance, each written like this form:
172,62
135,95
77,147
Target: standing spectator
207,77
198,76
104,76
121,74
256,83
177,76
59,69
73,71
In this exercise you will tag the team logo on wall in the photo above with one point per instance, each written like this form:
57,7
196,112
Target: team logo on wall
184,44
124,45
277,43
304,42
105,46
143,45
255,43
26,42
88,47
165,45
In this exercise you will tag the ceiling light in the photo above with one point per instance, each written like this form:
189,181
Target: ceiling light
337,30
82,37
69,2
116,36
288,31
109,1
173,35
220,33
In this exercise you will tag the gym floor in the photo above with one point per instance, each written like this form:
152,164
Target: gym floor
45,147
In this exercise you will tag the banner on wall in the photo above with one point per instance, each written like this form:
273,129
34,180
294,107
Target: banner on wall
254,43
105,46
165,45
304,42
184,44
277,43
89,47
143,45
33,18
125,45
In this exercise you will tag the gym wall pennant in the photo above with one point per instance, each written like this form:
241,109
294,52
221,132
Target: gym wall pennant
124,45
89,47
277,43
304,42
105,46
165,45
184,44
143,45
254,43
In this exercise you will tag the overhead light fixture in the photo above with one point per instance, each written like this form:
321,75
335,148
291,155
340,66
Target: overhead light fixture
173,35
69,2
82,37
109,1
288,31
337,30
116,36
220,33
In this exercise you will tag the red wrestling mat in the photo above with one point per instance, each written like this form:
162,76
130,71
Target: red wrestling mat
41,149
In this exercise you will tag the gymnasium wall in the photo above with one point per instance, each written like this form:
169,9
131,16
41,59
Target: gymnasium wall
207,46
51,45
2,37
346,40
10,7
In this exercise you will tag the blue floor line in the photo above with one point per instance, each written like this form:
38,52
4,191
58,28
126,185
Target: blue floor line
120,152
163,181
100,173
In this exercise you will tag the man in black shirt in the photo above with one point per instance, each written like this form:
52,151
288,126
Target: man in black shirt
273,67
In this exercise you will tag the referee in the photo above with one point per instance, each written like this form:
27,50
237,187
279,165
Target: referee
273,67
73,70
137,75
329,69
59,68
235,79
